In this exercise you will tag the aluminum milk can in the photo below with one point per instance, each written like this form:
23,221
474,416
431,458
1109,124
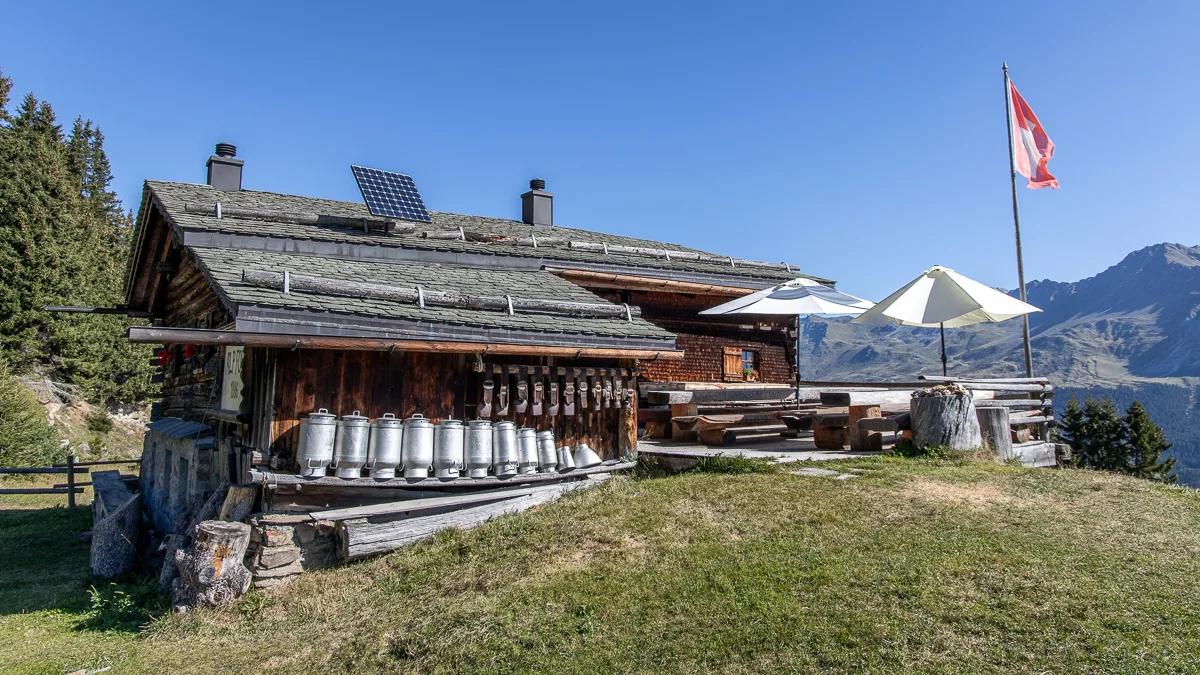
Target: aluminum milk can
385,449
315,449
504,448
418,446
350,449
585,457
566,461
478,448
547,456
448,449
527,451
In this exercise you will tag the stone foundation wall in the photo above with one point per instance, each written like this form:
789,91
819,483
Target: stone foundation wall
281,548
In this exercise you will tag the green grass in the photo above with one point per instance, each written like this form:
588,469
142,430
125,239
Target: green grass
918,565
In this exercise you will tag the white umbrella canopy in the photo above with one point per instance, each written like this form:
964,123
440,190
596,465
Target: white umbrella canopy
795,297
942,297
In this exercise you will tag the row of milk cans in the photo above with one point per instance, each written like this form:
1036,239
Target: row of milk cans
415,445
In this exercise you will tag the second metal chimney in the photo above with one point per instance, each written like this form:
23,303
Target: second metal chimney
225,172
537,205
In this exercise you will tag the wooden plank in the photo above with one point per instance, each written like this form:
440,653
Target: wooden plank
893,400
417,505
747,395
733,436
110,492
1021,421
360,539
35,470
1035,453
36,491
985,380
669,397
831,420
272,478
239,502
1017,403
104,462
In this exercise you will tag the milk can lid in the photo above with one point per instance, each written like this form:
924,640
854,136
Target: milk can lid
354,417
322,414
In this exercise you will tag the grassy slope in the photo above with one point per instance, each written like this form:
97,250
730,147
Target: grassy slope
916,566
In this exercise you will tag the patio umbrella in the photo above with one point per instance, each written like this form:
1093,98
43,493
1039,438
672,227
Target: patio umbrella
797,297
942,297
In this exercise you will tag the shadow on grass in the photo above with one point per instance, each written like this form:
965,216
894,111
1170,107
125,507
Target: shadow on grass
44,566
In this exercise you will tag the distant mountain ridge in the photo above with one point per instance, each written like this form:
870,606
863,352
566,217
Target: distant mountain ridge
1131,331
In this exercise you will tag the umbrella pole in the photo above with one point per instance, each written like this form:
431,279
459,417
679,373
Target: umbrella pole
797,361
942,328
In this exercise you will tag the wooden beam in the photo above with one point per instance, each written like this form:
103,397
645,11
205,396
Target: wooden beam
636,283
362,538
416,505
195,336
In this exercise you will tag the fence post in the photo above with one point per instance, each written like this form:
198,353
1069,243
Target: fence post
71,480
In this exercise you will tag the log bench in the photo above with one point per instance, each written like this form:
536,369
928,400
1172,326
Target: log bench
723,408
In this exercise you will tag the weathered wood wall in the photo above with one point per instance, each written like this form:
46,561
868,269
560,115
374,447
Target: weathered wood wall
188,381
438,386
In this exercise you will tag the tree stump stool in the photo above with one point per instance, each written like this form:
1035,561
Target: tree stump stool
211,574
944,416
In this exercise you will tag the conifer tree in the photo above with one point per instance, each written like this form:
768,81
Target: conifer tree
1070,429
63,241
1102,435
1146,442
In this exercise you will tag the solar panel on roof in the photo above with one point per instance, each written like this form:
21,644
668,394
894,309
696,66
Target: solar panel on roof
390,194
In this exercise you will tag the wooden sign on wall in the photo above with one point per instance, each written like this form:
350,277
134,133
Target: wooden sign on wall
231,378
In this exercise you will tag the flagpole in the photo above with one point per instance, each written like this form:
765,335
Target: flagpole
1012,174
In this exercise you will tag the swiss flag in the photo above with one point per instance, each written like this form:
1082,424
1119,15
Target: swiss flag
1032,147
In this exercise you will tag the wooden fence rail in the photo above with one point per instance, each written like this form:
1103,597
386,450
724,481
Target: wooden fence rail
70,488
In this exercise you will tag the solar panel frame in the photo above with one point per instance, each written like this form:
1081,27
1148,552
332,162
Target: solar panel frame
390,194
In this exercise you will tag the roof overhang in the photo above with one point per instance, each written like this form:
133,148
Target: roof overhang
194,336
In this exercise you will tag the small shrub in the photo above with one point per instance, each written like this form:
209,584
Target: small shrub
26,439
128,606
98,421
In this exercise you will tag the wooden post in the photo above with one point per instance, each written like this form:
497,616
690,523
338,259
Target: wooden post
689,409
71,480
995,431
858,437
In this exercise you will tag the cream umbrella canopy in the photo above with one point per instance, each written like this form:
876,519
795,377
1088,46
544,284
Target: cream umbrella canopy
794,298
942,297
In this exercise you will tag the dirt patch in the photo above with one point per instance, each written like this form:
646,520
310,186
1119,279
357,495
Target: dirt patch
961,494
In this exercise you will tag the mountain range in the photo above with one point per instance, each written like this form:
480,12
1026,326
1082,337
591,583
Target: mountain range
1129,332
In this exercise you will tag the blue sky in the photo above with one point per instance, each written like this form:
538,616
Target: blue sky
861,141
